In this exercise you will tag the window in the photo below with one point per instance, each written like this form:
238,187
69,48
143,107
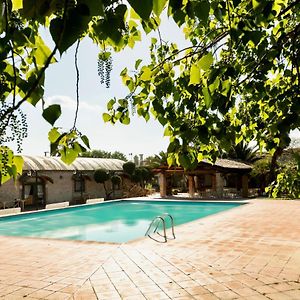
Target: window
79,184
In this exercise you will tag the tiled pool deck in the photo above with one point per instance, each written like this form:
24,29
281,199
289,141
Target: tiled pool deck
249,252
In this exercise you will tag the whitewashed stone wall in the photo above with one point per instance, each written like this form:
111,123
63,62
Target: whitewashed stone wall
61,190
9,191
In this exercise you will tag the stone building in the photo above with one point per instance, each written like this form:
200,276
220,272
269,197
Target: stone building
47,180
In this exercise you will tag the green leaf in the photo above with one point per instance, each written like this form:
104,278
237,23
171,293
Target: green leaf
110,104
168,131
28,9
110,28
194,75
106,117
201,10
256,4
142,7
146,74
125,120
53,135
123,72
200,157
68,155
18,162
76,24
85,140
6,176
78,148
137,63
206,61
17,4
226,86
207,97
42,52
184,161
238,139
173,146
170,160
95,7
52,113
158,6
214,86
36,95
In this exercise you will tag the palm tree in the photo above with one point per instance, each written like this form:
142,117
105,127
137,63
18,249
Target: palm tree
157,160
243,152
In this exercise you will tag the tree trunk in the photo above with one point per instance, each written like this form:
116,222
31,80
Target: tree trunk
105,189
274,164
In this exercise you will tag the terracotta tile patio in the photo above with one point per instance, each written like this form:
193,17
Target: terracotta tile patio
249,252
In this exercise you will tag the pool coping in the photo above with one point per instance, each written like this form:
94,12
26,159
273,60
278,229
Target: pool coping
243,201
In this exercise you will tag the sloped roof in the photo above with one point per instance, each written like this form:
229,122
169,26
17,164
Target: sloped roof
231,164
43,163
221,164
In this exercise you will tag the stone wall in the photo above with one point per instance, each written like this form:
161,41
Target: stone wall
62,189
9,191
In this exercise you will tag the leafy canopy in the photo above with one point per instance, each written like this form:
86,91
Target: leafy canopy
24,58
238,80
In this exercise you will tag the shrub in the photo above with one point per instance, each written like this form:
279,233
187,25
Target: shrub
116,180
129,168
101,176
287,183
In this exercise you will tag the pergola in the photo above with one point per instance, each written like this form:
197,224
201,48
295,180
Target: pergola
217,173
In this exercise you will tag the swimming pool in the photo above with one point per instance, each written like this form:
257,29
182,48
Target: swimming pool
115,221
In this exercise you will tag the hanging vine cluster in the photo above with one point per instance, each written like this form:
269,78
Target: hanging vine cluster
130,98
13,127
105,63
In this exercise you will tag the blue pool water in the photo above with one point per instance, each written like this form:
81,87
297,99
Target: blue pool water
118,221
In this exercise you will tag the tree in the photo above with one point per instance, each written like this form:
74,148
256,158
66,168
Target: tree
129,168
142,176
260,173
157,160
238,80
138,175
101,176
104,154
116,181
287,182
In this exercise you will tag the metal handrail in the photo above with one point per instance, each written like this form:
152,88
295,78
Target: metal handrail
158,220
172,223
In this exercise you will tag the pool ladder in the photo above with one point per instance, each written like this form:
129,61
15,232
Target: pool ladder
154,226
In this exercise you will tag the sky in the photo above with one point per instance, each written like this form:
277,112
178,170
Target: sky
140,137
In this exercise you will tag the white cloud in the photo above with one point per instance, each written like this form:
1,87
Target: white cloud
69,103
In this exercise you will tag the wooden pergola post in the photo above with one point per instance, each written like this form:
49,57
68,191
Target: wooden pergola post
191,182
245,191
219,184
163,185
213,182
